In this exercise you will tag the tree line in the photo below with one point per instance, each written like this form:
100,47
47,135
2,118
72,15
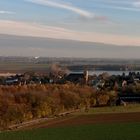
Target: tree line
27,102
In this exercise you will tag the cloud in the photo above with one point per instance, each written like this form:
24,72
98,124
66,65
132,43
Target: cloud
123,8
126,8
6,12
65,6
37,30
132,6
136,4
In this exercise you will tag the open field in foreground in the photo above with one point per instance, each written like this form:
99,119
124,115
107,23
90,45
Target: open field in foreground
76,120
117,123
119,131
96,115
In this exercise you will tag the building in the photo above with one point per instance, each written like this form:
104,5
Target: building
81,78
11,81
129,98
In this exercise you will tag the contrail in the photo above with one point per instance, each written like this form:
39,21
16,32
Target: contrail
72,8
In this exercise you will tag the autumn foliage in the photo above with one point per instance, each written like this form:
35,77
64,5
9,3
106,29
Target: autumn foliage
27,102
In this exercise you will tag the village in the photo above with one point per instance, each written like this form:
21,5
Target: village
126,86
100,81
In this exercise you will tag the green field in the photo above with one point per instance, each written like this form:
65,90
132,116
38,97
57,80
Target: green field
122,131
80,131
114,109
19,67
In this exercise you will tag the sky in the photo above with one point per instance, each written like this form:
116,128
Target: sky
104,21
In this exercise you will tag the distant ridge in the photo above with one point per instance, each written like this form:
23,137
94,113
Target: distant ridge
38,46
67,40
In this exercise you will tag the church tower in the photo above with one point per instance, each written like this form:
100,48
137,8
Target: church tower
86,76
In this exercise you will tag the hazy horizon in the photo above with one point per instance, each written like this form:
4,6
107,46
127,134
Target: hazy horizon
11,45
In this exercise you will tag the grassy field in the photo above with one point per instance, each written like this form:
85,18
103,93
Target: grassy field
107,123
18,67
126,131
113,109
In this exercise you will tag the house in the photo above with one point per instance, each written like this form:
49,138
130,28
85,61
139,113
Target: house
81,78
75,77
129,98
12,81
